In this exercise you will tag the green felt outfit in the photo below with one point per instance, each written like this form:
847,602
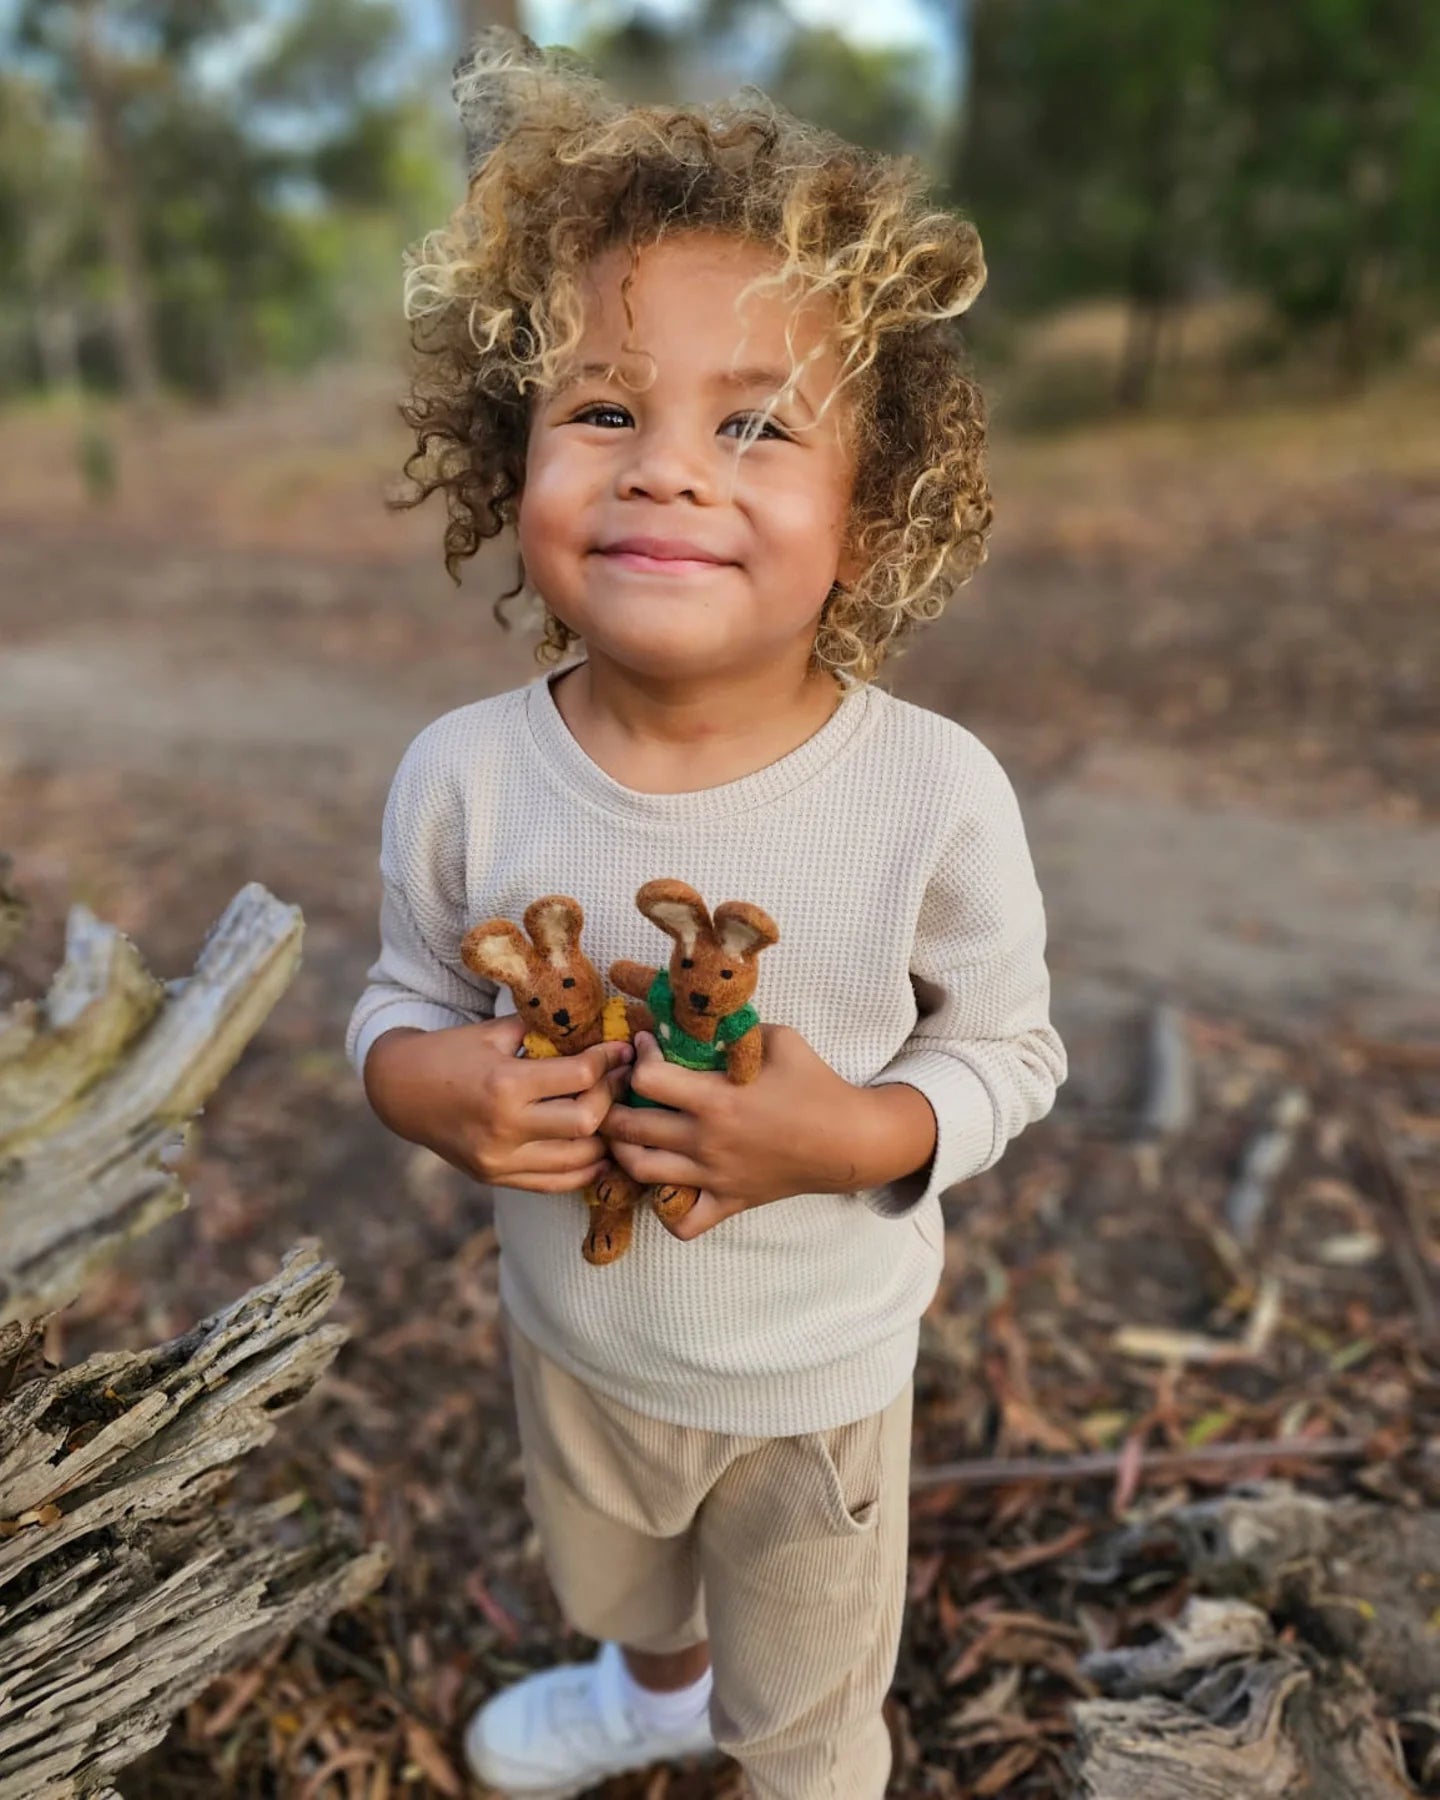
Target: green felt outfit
676,1043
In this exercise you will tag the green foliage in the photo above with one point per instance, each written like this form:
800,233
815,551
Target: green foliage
870,96
1156,147
267,206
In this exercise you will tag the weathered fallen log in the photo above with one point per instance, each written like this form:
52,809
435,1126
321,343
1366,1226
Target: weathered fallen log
1358,1580
1219,1707
125,1588
1218,1710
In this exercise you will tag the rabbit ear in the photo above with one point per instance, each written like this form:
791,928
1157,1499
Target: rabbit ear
555,922
676,909
743,929
498,951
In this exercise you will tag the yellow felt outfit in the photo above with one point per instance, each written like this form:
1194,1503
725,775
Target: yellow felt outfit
614,1029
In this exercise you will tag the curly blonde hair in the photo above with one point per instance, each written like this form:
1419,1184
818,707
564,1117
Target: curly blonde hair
562,171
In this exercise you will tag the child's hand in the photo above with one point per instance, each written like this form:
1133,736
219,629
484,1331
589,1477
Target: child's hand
798,1128
464,1094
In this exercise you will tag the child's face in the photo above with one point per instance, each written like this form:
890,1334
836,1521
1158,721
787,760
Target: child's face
639,526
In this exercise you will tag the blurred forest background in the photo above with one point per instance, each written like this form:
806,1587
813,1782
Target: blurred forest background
1206,647
193,197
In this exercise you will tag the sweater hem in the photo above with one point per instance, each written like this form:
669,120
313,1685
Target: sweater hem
784,1404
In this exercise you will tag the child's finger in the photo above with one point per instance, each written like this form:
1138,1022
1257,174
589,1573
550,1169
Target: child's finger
552,1076
658,1166
505,1035
688,1090
571,1183
567,1116
650,1129
553,1156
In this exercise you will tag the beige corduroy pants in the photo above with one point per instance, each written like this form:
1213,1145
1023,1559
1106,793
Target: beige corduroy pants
789,1554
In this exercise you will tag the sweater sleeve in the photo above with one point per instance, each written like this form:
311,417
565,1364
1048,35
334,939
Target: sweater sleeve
418,978
983,1051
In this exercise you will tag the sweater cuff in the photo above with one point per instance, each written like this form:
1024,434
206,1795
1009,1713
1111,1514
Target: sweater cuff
965,1121
421,1015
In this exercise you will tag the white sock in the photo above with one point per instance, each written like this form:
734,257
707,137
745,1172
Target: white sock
667,1715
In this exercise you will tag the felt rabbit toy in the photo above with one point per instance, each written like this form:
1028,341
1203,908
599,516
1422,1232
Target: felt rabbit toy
699,1008
558,990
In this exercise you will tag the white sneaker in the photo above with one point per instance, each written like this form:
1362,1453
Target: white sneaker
555,1734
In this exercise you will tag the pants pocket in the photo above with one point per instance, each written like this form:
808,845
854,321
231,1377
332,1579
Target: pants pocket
850,1471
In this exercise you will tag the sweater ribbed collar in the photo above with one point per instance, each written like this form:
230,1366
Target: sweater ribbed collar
575,770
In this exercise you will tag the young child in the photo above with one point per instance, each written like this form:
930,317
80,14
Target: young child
704,360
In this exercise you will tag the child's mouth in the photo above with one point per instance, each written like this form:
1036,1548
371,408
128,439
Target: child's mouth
661,556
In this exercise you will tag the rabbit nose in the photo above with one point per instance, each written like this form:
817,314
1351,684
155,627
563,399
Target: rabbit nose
699,1001
562,1017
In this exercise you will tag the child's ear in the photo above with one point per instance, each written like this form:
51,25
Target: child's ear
849,569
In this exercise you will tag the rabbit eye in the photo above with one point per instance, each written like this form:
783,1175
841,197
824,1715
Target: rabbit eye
535,1001
726,974
687,962
569,981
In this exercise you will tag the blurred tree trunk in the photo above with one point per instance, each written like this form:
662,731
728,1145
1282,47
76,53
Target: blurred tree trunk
1150,285
119,217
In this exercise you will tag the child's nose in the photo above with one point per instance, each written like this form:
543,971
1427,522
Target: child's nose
666,466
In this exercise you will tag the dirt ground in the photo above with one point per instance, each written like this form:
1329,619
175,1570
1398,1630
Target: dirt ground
1209,654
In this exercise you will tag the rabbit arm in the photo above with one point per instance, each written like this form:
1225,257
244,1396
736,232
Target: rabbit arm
639,1017
742,1059
632,978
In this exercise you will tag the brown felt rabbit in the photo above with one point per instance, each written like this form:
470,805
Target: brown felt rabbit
699,1009
558,991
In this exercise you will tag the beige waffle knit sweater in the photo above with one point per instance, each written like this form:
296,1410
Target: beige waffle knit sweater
890,851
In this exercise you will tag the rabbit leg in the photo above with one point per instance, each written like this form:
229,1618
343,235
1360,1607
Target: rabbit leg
611,1200
670,1202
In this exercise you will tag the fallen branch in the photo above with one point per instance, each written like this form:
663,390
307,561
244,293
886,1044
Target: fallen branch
1169,1104
97,1083
1265,1158
1104,1465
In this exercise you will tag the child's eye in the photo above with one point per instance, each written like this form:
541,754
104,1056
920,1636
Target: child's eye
745,423
603,413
